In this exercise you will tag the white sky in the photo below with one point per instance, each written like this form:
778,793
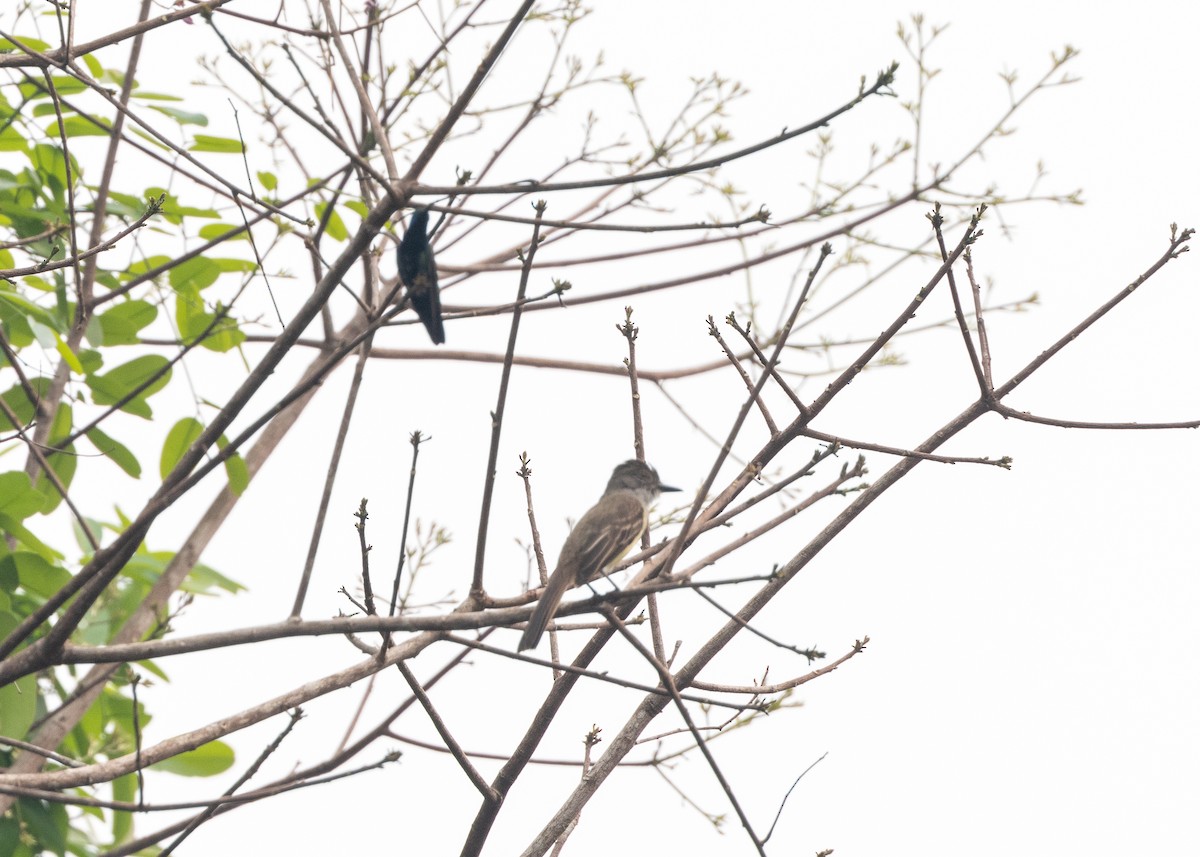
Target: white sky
1031,684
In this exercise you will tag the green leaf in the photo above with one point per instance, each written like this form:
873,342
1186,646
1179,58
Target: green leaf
225,145
151,140
335,228
12,141
51,165
10,837
193,319
63,464
268,180
123,789
203,579
154,669
93,64
181,436
238,474
18,498
63,84
18,700
126,205
198,273
235,469
46,821
155,96
183,117
16,327
46,336
91,359
97,528
34,573
173,210
108,279
61,427
120,324
9,581
136,269
18,703
224,336
136,375
120,454
206,760
30,310
118,708
16,529
9,46
241,266
81,126
17,400
38,283
212,231
68,356
147,566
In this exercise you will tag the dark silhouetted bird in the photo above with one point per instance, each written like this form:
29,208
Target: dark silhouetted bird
418,272
603,535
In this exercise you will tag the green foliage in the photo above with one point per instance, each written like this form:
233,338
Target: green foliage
205,143
130,384
10,837
90,355
334,224
34,573
207,760
236,470
183,117
18,700
120,324
179,438
18,498
115,450
47,822
123,789
146,566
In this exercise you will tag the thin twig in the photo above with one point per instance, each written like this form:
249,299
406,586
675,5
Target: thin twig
936,219
268,751
415,440
489,479
335,459
783,802
451,744
668,682
750,385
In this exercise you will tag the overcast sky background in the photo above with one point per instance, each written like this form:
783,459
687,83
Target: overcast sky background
1031,684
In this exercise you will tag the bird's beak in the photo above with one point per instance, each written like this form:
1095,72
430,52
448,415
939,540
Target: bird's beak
665,488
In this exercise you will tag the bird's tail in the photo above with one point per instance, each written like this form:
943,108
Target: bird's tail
428,306
556,588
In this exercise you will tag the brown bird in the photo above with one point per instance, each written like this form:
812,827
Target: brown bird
604,534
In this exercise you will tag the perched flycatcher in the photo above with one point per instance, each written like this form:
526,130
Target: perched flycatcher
603,535
418,272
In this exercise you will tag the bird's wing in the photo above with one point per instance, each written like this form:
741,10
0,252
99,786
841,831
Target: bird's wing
603,535
427,303
414,256
415,263
418,272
